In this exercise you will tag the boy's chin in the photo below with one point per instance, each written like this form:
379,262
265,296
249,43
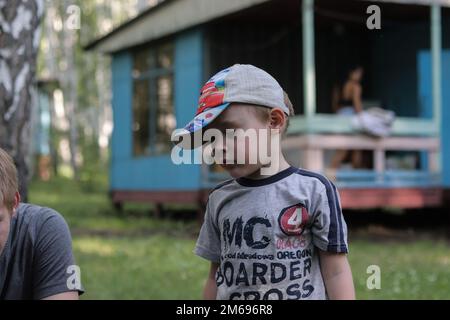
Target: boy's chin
239,170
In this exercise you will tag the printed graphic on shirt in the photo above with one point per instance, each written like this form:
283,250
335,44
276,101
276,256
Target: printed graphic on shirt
293,219
256,257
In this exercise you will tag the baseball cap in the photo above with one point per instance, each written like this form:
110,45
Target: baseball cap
241,83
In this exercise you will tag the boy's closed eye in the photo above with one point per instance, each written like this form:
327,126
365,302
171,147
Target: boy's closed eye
222,126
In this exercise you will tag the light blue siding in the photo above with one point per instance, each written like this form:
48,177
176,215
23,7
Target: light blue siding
426,104
156,173
188,74
121,142
445,127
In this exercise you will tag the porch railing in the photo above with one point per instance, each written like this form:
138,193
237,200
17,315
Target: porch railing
308,140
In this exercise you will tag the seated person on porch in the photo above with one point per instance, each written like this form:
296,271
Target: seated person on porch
347,101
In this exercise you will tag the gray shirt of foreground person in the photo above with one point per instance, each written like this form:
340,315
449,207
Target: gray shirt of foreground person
37,260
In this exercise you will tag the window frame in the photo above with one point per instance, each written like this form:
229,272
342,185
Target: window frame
151,75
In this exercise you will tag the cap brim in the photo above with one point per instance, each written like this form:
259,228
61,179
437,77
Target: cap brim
187,138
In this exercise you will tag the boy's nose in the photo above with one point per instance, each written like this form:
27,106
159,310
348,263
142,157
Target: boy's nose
219,150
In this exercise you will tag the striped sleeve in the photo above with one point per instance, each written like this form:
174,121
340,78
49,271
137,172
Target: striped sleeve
208,242
329,230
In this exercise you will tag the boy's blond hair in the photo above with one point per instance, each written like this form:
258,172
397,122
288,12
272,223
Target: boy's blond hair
8,180
263,112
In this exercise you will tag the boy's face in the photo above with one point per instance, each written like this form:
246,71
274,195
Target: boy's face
5,217
240,116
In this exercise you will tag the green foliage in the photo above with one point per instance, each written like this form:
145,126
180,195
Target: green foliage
93,173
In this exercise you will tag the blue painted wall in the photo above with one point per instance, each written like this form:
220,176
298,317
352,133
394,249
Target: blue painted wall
121,141
188,74
426,103
445,128
158,172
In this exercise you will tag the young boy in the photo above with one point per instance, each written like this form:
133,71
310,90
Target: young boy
281,236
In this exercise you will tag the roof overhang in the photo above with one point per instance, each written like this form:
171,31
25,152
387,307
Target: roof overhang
171,16
168,17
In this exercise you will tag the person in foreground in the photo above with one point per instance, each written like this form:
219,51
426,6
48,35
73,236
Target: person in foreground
277,236
36,260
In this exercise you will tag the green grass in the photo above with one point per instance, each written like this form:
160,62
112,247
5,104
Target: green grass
413,270
135,256
91,211
157,267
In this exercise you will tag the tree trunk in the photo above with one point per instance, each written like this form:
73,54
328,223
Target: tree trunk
70,92
19,42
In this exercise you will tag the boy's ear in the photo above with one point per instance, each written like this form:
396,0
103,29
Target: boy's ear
16,200
277,118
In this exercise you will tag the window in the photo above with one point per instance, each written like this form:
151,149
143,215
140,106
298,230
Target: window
153,110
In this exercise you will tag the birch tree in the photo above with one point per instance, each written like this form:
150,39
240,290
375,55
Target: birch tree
19,42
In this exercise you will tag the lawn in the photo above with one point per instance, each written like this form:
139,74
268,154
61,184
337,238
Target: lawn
135,256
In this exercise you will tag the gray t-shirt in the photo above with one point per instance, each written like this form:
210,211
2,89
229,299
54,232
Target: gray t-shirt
265,233
37,260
